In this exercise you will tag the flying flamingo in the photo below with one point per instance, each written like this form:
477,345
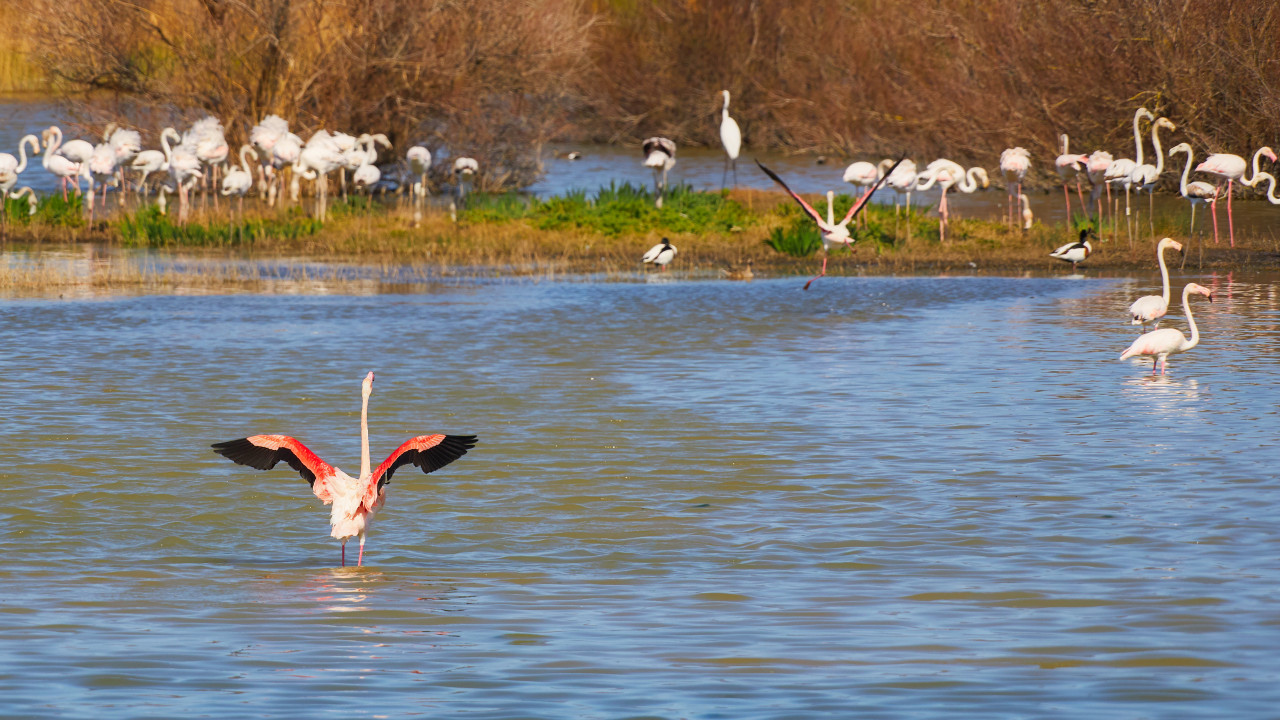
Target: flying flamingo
948,174
1145,175
1070,166
1120,172
61,167
659,154
1197,193
1231,168
355,500
832,233
1014,164
731,138
1150,308
1166,342
660,254
1075,252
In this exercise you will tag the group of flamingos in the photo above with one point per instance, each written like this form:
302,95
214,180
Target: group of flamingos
1100,168
196,158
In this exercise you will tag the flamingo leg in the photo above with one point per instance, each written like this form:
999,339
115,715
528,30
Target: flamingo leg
820,274
1231,226
1084,208
1214,207
344,553
1067,197
360,559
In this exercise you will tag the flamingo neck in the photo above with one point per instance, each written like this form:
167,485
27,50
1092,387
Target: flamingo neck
244,157
1164,277
1186,170
831,211
22,151
1257,158
1137,137
164,143
1191,321
1271,189
1066,144
365,470
1155,140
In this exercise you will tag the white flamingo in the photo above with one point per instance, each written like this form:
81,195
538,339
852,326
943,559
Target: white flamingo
239,180
1070,166
1027,216
419,159
184,167
30,194
1148,309
355,500
1145,175
660,156
1166,342
1196,193
60,166
731,139
1014,164
320,157
100,170
464,170
948,174
264,137
148,162
1120,172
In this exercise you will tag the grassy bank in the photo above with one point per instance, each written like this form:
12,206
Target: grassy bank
519,236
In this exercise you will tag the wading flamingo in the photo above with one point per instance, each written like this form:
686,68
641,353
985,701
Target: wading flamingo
1196,193
239,180
832,233
1145,175
1027,216
1096,171
863,175
419,165
184,167
1148,309
1014,164
1166,342
659,154
61,167
1075,252
1225,166
660,254
147,162
355,500
1070,166
731,138
1120,172
464,169
948,174
10,168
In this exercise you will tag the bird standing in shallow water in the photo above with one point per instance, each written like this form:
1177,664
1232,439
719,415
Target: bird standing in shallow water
1150,308
660,155
355,500
1166,342
731,138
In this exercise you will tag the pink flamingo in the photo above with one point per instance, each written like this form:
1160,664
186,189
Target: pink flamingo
1070,166
1166,342
833,233
1231,168
1014,164
1120,172
1150,308
1096,170
948,174
355,500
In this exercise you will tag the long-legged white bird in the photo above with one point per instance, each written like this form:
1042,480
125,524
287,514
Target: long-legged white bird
239,180
1148,309
1196,193
355,500
832,232
660,155
1166,342
731,138
661,254
1075,252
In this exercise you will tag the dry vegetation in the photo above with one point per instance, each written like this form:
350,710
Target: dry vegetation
498,79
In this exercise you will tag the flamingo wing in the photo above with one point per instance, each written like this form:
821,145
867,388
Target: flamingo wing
866,197
264,451
807,207
429,452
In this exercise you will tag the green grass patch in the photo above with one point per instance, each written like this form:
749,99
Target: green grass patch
615,210
51,210
148,228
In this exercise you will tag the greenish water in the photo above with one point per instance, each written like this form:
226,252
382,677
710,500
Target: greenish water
883,498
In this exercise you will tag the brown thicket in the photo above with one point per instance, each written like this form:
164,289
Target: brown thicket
498,78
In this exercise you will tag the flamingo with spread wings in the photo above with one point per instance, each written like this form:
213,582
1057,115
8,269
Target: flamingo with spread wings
354,500
833,233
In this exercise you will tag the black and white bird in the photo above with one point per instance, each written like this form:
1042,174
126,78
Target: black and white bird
660,254
1075,252
659,154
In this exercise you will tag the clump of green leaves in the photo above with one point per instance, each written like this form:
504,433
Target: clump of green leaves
149,228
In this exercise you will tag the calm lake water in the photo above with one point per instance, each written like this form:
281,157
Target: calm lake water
883,498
